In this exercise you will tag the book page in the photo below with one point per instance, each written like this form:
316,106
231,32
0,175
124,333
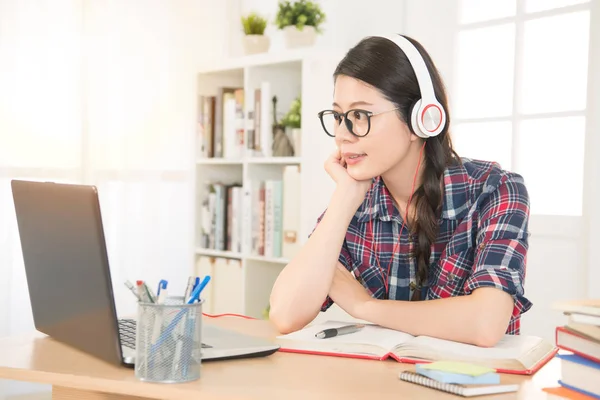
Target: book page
370,335
511,347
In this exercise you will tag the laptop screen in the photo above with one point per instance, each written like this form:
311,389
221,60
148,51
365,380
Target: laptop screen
66,265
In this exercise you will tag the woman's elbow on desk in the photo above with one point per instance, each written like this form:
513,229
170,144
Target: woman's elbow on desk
288,316
284,320
492,315
487,336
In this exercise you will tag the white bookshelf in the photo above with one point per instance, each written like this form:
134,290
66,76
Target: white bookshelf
291,73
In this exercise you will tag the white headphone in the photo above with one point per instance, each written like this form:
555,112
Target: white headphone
428,117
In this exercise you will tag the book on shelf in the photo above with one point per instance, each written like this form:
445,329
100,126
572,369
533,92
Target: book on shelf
205,126
260,122
232,124
221,216
221,123
274,215
261,218
514,354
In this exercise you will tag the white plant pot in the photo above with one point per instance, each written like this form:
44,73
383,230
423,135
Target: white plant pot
295,38
254,44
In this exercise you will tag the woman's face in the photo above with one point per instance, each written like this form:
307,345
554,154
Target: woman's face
388,140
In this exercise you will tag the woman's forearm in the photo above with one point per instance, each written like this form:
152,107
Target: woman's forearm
304,283
480,318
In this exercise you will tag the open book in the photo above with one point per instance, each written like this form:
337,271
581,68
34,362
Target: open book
515,354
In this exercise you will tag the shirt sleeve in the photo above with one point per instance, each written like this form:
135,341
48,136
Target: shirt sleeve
343,258
502,242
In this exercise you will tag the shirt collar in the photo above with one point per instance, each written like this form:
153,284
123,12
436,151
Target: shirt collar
379,203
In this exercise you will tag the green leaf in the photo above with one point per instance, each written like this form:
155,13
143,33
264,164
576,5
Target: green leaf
294,115
300,13
254,24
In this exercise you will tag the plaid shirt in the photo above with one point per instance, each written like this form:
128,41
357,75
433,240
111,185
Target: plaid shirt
482,239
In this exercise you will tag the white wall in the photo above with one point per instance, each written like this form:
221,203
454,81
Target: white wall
592,163
346,22
141,57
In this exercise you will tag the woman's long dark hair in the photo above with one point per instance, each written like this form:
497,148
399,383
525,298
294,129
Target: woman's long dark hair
382,64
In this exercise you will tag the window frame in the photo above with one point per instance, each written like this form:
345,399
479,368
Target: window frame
571,225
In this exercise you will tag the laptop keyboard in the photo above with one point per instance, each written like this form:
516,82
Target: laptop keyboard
127,333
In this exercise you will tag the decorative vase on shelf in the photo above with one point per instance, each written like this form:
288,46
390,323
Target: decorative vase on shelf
296,140
282,145
254,44
295,38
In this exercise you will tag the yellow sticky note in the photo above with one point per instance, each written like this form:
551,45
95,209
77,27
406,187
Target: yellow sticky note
458,368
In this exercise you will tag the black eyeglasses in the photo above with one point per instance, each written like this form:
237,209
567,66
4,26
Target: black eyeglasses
358,122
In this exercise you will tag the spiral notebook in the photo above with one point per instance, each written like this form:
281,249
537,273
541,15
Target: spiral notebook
460,390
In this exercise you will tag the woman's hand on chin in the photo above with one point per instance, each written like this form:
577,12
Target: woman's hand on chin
354,190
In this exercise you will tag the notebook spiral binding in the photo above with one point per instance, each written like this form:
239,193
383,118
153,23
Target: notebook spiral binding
413,377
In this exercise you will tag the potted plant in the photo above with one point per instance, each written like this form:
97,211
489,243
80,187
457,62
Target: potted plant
300,21
255,40
292,120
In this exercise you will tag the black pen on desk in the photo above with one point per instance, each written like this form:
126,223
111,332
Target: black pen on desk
344,330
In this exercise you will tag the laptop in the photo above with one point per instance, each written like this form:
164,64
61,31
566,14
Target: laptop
68,275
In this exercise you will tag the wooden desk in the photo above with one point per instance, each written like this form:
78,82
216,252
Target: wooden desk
75,375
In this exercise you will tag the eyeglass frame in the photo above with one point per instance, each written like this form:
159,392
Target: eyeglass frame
346,121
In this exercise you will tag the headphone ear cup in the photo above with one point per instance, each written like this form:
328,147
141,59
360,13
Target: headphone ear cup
414,120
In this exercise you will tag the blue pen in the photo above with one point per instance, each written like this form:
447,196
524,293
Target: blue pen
196,282
195,295
162,293
189,322
161,285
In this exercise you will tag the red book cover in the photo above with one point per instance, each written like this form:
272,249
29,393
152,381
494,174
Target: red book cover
577,343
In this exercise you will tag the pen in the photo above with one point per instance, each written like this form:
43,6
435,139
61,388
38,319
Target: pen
149,293
145,292
344,330
195,296
189,288
140,291
161,293
130,286
161,285
189,321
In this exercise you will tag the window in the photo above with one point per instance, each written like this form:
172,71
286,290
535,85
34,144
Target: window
521,93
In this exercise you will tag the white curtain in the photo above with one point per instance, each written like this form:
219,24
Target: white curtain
101,92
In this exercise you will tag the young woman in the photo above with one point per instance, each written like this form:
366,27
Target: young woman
414,238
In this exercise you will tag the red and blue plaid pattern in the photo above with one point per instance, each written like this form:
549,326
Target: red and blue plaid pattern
482,239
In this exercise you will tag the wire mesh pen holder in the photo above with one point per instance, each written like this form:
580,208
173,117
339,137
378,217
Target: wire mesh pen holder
169,341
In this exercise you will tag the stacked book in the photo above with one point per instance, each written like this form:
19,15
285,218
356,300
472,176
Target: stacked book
460,378
580,339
